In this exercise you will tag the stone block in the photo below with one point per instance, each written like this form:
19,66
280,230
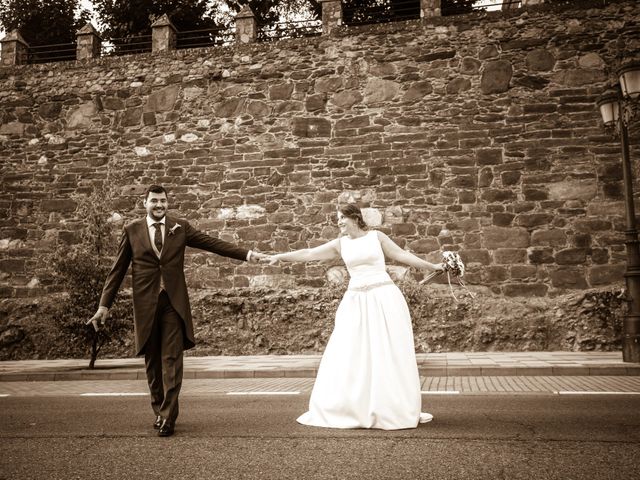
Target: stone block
498,195
591,225
328,84
489,156
281,91
540,60
403,229
510,178
162,100
353,122
316,102
573,189
606,274
496,77
535,194
59,205
477,255
499,237
554,237
485,178
378,90
534,219
458,85
462,181
494,274
571,256
490,51
520,272
256,233
12,265
372,217
258,108
540,255
417,91
568,277
466,197
600,255
509,255
346,99
525,290
230,108
311,127
500,219
469,66
424,245
113,103
50,111
131,117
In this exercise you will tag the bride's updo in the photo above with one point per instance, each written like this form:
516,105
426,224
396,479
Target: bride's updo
350,210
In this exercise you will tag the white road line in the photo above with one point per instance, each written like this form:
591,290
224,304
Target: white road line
571,392
4,394
263,393
113,394
440,392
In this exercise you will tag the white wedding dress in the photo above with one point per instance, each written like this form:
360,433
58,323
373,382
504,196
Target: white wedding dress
368,376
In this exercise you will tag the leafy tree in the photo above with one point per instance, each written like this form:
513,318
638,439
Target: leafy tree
127,18
122,19
456,7
278,18
358,12
43,22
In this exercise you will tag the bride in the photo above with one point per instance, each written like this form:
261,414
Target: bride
368,377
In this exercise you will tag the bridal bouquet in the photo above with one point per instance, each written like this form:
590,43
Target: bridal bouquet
453,265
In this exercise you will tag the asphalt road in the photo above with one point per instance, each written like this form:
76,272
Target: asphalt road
220,437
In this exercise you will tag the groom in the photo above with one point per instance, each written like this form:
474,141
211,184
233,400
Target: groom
154,246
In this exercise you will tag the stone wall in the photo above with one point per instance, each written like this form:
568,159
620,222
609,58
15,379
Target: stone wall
475,133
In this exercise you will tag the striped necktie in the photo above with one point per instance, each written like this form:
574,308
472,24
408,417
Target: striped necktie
157,238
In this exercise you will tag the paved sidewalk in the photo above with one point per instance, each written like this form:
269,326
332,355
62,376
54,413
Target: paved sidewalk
452,364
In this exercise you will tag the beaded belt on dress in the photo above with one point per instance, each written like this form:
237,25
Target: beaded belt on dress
366,288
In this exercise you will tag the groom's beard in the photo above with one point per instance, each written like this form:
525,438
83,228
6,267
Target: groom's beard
158,213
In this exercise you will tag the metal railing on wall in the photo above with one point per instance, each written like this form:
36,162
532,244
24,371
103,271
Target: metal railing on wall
349,12
126,45
294,29
58,52
205,37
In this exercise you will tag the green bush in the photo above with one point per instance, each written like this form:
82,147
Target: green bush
81,270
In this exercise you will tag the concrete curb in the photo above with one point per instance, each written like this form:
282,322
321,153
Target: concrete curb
45,375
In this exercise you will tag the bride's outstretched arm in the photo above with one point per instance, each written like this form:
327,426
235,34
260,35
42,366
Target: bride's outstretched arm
326,251
394,252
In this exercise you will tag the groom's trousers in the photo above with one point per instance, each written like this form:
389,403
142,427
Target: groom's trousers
163,359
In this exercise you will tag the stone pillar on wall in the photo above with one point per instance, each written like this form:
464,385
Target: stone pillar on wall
246,26
15,49
331,15
430,8
163,35
88,43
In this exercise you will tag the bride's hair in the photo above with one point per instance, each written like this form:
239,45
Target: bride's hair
352,211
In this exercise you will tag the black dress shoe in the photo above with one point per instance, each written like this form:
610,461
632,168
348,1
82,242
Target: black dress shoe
166,429
158,423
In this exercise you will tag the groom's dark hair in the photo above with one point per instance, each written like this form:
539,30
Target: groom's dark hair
155,189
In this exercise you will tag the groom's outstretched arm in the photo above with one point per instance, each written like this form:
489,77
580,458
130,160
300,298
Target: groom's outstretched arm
202,241
113,282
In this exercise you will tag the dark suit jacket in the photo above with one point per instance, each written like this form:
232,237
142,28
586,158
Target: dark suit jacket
135,249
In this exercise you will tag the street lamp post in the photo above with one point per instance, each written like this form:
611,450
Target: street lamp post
617,109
